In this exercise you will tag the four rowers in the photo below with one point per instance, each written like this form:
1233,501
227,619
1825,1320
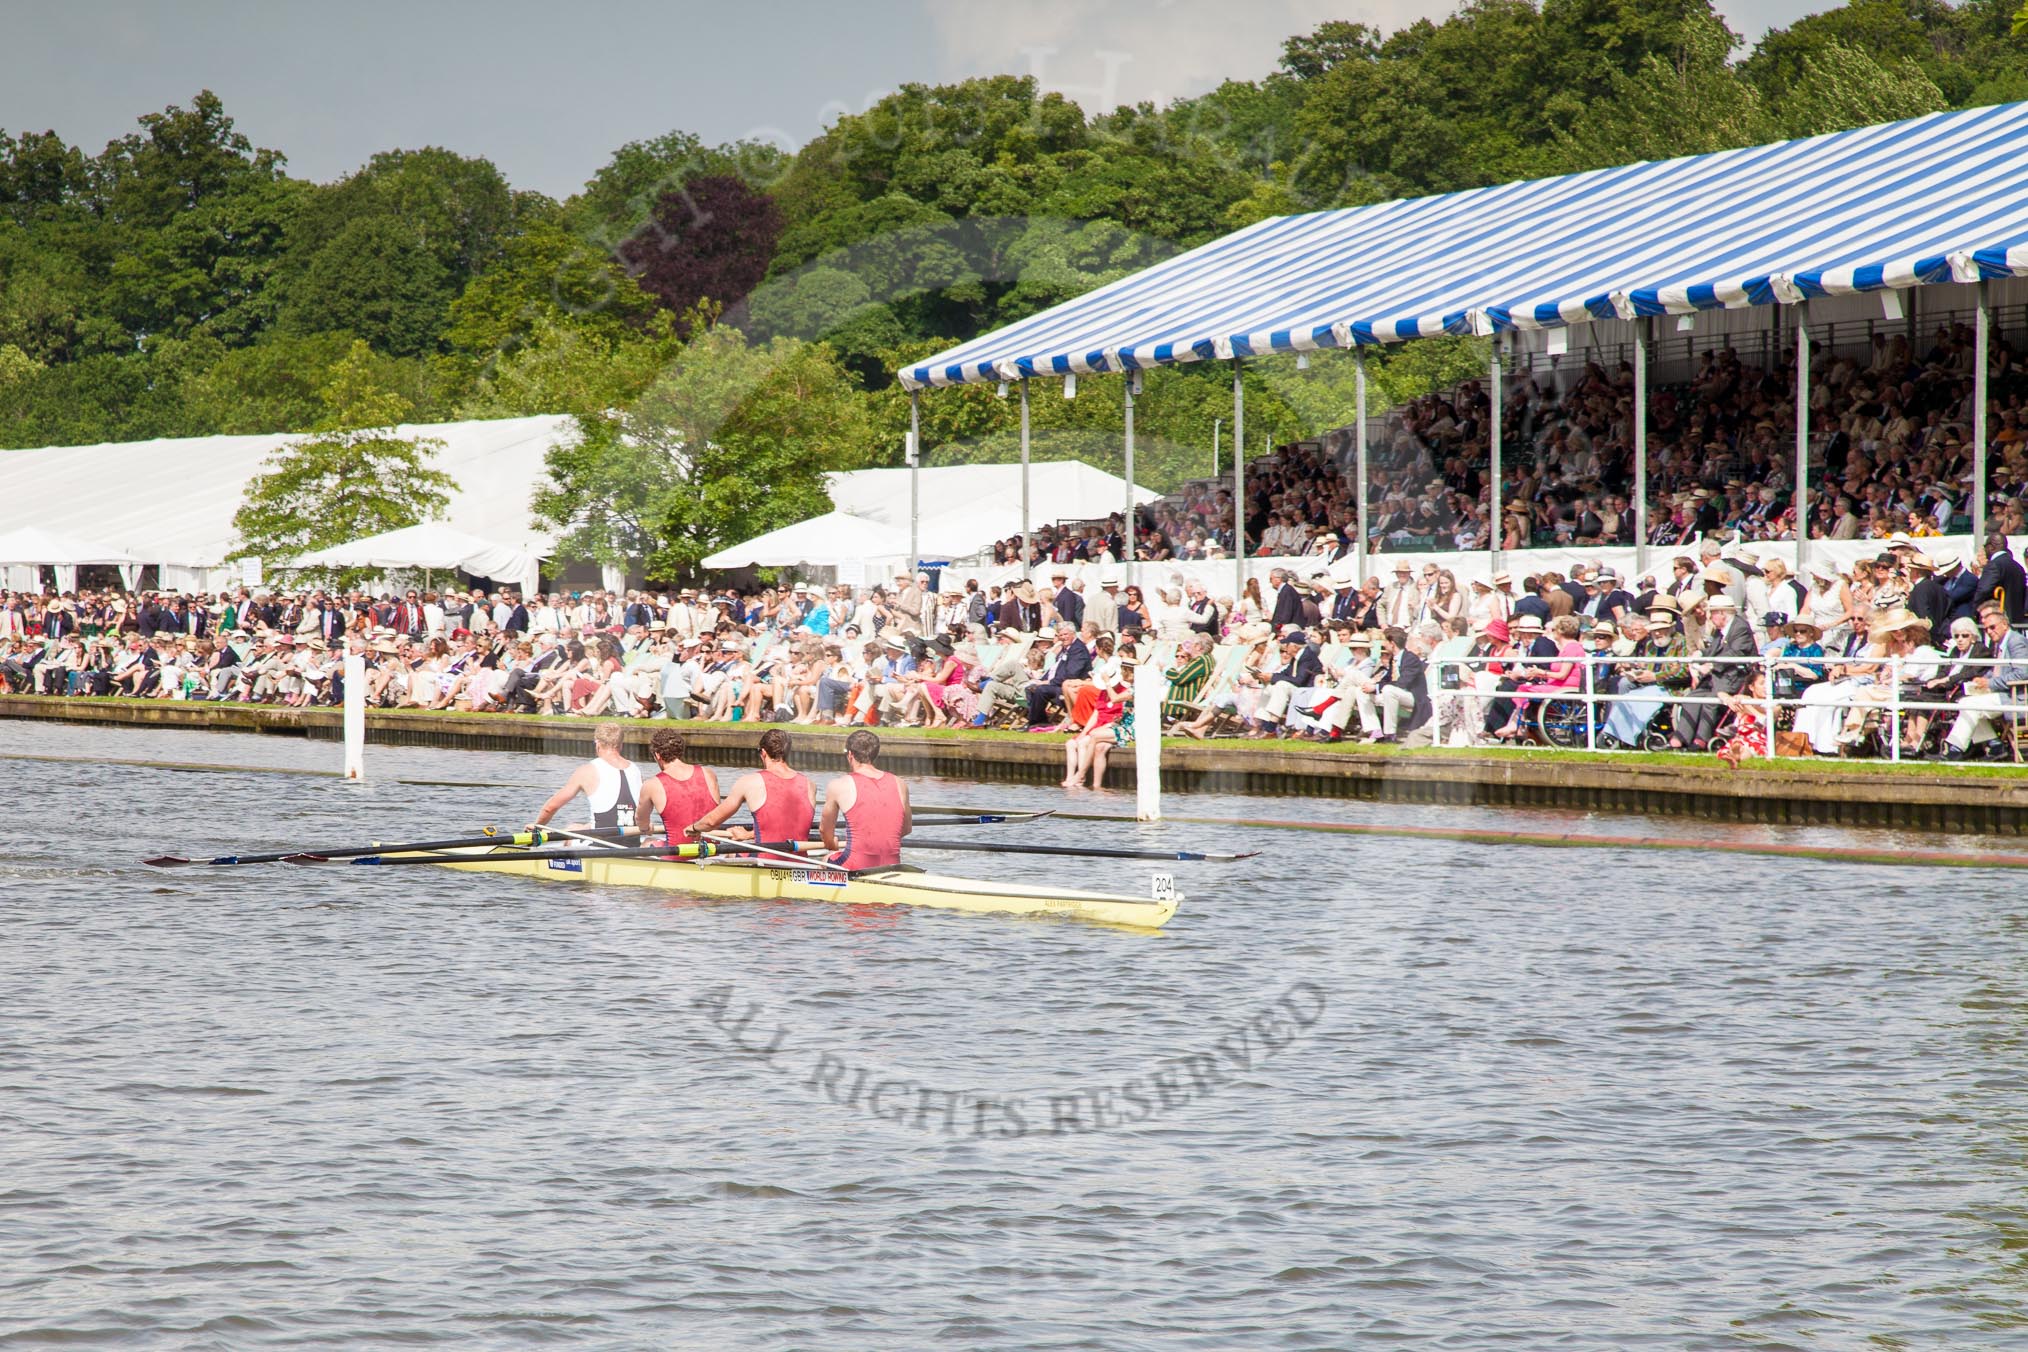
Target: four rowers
681,801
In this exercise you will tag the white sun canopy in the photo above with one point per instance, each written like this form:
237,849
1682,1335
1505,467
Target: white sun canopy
33,545
433,546
963,509
828,539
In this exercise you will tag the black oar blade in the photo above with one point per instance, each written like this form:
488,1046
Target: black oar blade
168,861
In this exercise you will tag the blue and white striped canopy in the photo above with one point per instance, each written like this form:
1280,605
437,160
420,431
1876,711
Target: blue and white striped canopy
1934,199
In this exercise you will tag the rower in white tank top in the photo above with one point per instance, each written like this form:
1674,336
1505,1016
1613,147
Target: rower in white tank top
610,783
614,793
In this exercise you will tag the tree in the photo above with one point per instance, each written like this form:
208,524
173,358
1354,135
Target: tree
624,192
559,367
354,478
180,159
712,239
16,365
272,386
375,281
1842,87
731,441
549,276
41,175
1689,107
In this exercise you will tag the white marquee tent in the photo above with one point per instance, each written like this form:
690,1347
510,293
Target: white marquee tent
24,549
171,502
433,547
830,538
961,510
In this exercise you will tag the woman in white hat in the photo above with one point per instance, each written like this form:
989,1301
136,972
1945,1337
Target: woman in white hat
1489,602
1827,705
1825,606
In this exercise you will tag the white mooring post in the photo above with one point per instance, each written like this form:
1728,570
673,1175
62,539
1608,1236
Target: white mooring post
355,716
1150,685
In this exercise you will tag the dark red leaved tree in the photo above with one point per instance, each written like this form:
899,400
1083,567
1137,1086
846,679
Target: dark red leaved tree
711,239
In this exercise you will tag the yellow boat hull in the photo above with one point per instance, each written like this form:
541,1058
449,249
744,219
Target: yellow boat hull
758,882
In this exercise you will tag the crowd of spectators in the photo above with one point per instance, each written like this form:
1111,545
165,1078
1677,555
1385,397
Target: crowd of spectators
1420,658
1891,432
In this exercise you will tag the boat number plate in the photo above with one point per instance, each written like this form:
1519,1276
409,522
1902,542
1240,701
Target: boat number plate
1165,887
825,877
566,866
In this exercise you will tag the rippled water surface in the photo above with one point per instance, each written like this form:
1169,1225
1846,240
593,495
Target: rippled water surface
1361,1093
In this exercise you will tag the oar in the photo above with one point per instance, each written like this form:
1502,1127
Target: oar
942,817
937,817
576,852
1073,851
758,848
492,837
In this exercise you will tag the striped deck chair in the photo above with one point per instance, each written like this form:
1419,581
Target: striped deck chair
1229,659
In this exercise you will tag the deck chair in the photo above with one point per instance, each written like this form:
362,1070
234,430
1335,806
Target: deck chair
1227,661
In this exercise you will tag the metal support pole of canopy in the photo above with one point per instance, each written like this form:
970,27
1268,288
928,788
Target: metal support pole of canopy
1238,484
1644,331
1981,326
1359,415
1128,531
914,492
1802,436
1025,564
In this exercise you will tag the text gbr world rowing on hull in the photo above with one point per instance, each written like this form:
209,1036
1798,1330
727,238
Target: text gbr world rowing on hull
1177,1082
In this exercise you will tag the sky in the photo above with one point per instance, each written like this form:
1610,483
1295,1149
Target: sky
548,91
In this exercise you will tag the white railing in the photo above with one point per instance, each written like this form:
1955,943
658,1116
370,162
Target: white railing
1893,706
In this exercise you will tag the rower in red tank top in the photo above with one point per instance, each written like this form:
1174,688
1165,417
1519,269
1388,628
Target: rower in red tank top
874,804
679,795
779,798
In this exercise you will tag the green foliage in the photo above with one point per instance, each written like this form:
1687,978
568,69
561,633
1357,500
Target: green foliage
16,365
1666,109
179,160
178,283
561,367
274,386
376,280
352,479
549,276
732,440
1844,87
620,196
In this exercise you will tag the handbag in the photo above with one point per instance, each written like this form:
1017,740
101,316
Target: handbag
1793,744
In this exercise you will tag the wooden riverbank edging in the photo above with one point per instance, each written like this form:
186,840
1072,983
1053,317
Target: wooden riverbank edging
1793,792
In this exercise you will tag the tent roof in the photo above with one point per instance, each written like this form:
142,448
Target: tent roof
1057,489
432,544
821,539
172,501
1933,199
962,509
34,545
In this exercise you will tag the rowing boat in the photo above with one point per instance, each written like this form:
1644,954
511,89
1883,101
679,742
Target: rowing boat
747,880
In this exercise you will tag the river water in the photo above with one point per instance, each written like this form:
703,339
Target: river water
1361,1093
